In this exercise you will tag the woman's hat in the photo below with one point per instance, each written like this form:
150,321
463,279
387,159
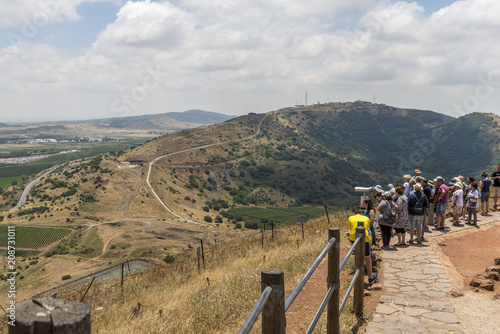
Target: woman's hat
387,194
378,188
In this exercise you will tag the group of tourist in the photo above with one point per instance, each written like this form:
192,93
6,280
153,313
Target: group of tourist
417,202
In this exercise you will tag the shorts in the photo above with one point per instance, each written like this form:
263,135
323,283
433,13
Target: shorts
457,210
368,248
400,230
415,222
485,197
497,191
441,208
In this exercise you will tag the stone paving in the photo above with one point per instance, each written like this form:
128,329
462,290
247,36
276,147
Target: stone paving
417,290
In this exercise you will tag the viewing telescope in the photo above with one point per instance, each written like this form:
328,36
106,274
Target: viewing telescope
363,189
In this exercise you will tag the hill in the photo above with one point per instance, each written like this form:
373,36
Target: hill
220,182
164,121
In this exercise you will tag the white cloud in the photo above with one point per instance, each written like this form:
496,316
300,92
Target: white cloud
270,50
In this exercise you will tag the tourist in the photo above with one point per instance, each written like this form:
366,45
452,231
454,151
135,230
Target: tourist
417,174
392,189
370,213
377,193
473,202
457,202
484,187
353,223
401,215
441,202
417,202
385,207
406,184
496,178
428,193
412,184
470,179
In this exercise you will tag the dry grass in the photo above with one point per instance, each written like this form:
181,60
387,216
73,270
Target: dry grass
179,299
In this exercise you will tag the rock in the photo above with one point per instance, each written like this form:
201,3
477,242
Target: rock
493,268
493,275
497,296
497,261
456,293
375,287
488,284
476,281
479,281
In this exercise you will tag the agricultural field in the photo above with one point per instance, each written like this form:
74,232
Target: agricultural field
33,237
255,217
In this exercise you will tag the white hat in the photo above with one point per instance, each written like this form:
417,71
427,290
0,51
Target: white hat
378,188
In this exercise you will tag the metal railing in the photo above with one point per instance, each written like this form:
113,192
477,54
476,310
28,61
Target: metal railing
272,302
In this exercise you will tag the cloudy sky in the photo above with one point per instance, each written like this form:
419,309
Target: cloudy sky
80,59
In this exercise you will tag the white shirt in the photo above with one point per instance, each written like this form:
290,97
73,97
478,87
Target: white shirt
471,202
458,197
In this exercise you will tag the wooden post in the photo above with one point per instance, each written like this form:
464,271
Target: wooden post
302,231
359,264
263,232
123,264
81,300
49,315
128,265
332,311
198,253
273,313
272,229
327,216
202,254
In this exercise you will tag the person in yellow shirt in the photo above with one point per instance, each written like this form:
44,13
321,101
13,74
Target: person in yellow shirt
353,223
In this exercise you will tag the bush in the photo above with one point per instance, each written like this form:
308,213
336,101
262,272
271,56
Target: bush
238,225
65,277
208,219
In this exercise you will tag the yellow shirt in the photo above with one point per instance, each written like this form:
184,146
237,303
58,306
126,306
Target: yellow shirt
353,223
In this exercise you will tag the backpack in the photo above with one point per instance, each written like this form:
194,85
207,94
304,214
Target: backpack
390,213
418,207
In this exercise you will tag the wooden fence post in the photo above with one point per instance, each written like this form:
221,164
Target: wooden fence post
49,315
327,216
359,264
332,311
273,313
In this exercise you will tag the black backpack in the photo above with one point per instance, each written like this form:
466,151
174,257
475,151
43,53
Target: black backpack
418,207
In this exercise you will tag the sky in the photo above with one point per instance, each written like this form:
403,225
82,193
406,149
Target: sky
82,59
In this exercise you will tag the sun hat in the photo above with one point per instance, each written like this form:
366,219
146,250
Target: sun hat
387,194
417,171
378,188
390,186
417,187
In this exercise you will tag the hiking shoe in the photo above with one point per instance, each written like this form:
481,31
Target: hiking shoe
411,242
373,278
419,242
423,239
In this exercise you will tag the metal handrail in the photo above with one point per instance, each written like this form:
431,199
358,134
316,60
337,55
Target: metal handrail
321,309
257,309
308,274
344,301
353,247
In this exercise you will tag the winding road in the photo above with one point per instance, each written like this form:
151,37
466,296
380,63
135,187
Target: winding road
188,150
27,189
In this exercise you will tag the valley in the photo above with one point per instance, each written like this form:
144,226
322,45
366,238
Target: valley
155,200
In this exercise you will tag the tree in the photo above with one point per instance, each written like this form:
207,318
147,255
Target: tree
208,219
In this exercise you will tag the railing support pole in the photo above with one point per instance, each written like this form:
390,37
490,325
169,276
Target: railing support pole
359,264
333,316
273,313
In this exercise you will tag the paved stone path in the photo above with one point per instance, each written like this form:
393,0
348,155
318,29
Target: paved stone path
417,298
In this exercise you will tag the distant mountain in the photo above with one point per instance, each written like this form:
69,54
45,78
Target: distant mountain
165,121
317,154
